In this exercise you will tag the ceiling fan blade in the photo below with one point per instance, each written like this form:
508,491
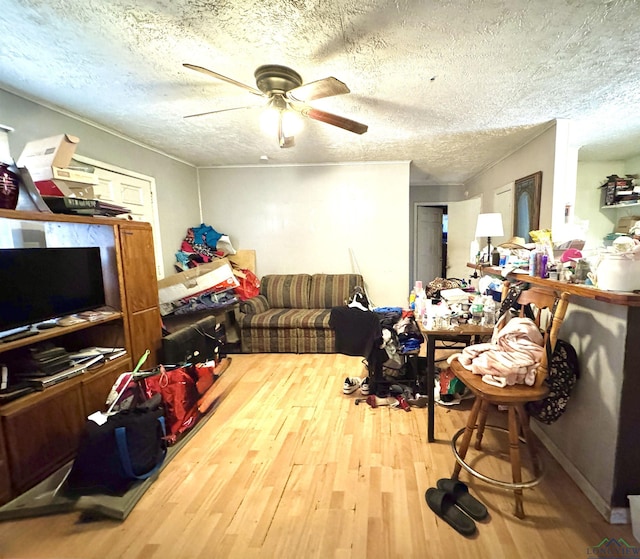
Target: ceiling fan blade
220,111
327,87
223,78
335,120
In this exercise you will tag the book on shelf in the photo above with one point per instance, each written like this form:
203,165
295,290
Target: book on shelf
83,206
41,382
92,316
109,353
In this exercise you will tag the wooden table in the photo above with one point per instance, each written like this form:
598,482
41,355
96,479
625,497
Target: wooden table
463,333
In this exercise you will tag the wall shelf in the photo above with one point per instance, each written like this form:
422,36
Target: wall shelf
620,206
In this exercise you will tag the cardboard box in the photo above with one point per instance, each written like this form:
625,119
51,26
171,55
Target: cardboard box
74,189
56,151
71,179
69,174
48,163
244,259
454,295
625,223
216,276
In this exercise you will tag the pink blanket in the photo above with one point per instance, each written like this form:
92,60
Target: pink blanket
512,357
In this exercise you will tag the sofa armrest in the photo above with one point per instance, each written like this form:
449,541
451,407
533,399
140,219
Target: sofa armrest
255,305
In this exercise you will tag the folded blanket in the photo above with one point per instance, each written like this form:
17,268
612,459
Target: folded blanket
512,357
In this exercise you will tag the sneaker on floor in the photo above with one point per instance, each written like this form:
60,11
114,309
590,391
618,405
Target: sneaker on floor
365,387
419,401
403,403
351,384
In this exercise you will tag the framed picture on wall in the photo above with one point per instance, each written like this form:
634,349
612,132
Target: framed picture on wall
526,207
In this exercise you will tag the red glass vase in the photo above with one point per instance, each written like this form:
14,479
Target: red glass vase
9,187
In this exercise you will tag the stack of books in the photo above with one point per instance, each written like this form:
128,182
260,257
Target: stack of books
83,206
49,360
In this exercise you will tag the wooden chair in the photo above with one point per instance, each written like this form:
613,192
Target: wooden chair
549,310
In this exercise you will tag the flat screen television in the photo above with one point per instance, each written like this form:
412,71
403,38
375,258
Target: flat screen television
38,284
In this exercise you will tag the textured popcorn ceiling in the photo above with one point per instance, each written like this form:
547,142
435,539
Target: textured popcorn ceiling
451,85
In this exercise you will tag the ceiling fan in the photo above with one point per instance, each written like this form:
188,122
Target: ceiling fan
284,91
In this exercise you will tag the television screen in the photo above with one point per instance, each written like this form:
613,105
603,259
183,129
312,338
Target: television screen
38,284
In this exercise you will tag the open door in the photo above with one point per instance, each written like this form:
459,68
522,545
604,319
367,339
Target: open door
462,229
428,249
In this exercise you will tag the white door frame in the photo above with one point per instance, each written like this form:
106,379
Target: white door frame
415,233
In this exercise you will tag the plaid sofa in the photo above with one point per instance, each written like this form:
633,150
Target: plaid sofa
291,313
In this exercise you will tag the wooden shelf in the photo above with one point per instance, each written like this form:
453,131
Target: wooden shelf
40,431
620,206
56,332
628,299
60,218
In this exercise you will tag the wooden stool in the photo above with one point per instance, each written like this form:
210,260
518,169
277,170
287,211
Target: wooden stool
514,399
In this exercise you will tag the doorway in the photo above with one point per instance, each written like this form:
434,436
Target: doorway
430,249
441,248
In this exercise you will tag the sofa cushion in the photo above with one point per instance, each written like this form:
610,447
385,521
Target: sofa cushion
286,291
276,319
313,319
332,290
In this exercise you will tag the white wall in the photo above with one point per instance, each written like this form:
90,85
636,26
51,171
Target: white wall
176,182
591,174
586,436
314,218
537,155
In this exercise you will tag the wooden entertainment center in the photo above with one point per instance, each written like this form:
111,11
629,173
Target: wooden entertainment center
39,432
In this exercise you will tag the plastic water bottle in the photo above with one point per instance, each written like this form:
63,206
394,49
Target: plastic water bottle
490,313
476,310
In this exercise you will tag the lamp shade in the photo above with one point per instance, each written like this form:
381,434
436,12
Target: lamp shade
489,225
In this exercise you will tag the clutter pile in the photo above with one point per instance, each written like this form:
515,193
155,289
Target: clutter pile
397,385
212,274
620,190
53,180
146,412
202,244
395,396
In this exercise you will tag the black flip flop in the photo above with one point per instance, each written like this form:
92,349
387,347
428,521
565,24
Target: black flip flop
443,504
461,496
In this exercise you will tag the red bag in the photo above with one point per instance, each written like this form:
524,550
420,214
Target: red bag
179,397
205,376
249,285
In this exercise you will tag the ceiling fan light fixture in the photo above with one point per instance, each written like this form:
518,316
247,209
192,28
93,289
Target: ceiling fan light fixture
277,119
269,118
291,123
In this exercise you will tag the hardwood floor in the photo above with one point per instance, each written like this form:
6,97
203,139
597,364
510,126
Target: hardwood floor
289,467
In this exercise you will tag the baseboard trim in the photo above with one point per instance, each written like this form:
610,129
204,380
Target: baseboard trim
613,515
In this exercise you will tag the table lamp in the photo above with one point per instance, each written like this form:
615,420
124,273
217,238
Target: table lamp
489,225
